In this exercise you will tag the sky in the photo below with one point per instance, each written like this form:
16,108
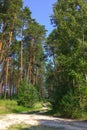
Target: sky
41,11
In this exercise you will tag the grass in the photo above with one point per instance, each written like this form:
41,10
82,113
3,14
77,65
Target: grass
27,127
19,127
10,106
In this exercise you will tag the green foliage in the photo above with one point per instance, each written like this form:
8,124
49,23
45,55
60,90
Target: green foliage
27,94
69,105
73,104
21,46
81,96
67,46
10,106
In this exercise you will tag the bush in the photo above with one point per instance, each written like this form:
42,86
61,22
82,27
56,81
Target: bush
27,94
70,105
73,104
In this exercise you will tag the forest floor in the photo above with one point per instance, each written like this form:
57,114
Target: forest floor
36,119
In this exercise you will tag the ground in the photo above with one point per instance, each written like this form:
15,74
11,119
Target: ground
37,119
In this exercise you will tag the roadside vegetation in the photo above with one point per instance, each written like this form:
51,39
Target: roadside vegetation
10,106
19,127
66,75
27,127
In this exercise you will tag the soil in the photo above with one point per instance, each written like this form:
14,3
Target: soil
36,119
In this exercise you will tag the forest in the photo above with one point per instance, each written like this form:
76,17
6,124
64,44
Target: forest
35,67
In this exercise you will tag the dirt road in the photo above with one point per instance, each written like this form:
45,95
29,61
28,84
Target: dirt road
35,119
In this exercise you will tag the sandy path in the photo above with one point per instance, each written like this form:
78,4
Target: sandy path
34,119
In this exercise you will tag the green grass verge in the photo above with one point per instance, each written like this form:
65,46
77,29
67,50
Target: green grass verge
10,106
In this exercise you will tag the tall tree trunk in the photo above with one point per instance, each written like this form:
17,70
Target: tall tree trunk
6,78
30,66
36,76
21,69
7,64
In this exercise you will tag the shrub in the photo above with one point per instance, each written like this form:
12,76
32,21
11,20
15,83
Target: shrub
27,94
70,105
73,104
